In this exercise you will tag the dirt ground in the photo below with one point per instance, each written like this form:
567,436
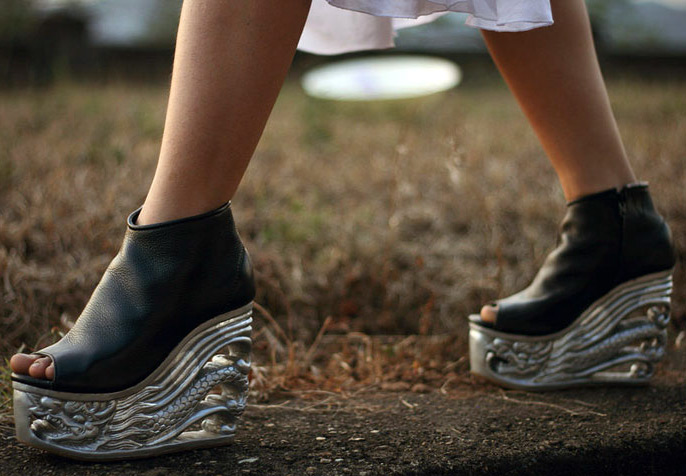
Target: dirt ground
483,431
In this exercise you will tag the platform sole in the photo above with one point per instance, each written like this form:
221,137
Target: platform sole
192,400
617,340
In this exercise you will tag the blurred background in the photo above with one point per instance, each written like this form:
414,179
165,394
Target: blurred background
375,228
42,39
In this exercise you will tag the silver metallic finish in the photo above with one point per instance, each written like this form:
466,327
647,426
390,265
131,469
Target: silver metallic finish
171,410
617,340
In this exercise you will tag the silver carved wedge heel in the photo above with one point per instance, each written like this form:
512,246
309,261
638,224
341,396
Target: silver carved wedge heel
159,359
154,416
597,311
618,340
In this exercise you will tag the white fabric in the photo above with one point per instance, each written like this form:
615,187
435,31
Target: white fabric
341,26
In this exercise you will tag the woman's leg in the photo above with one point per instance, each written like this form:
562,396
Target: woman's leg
231,60
554,74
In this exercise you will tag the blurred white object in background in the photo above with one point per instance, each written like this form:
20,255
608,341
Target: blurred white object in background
381,78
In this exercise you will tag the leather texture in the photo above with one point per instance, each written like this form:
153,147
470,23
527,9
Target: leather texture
605,239
167,279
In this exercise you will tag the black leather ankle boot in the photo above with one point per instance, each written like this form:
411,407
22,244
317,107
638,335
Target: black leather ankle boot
613,249
176,293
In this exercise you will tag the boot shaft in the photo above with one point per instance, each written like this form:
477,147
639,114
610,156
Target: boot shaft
647,245
626,222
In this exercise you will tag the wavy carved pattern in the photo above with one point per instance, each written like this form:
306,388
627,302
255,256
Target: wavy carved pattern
161,412
626,331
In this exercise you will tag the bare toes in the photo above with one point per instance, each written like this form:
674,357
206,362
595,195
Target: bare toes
37,369
50,371
489,312
20,363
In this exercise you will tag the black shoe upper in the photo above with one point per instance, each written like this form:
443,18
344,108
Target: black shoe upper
605,239
167,279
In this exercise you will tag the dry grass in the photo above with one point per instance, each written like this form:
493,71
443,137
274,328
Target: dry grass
394,218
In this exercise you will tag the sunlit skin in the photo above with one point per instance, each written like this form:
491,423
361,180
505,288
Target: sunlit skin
232,58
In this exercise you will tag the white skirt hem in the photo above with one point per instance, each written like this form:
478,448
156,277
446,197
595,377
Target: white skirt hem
342,26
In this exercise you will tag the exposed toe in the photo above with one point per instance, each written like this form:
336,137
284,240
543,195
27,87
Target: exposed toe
20,363
489,313
38,368
50,371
